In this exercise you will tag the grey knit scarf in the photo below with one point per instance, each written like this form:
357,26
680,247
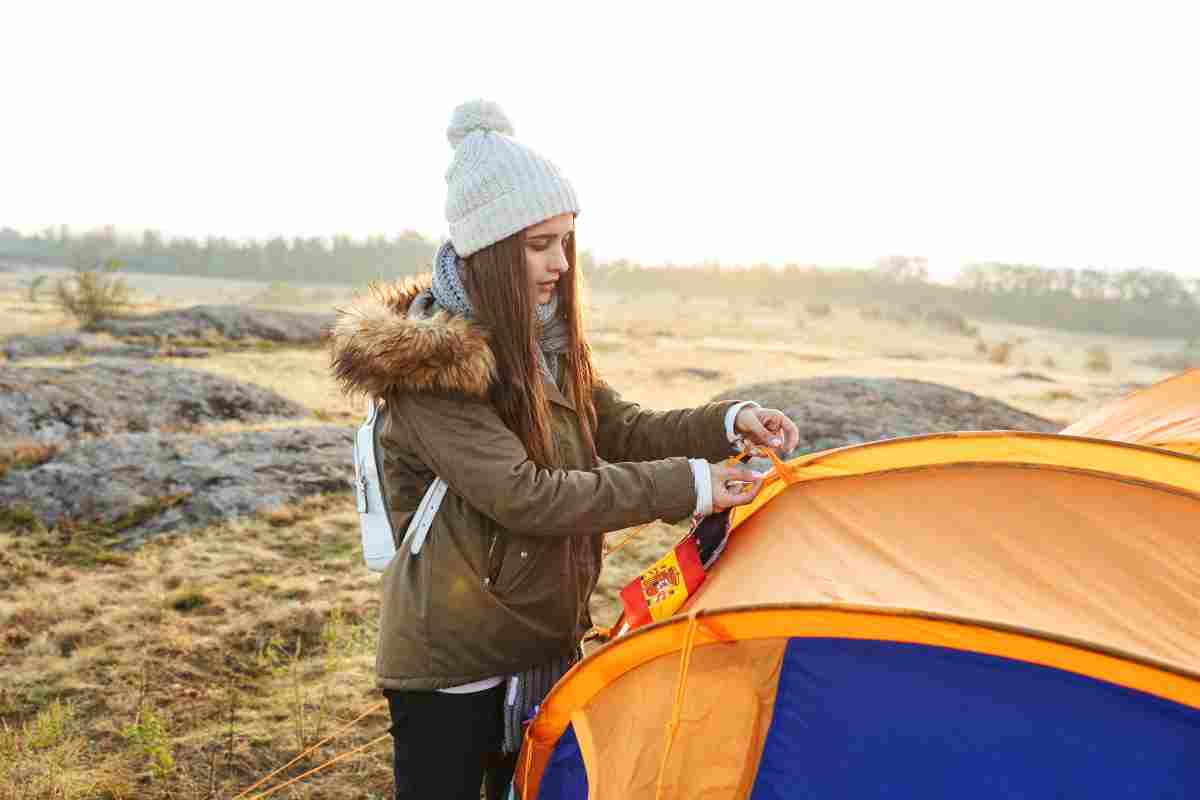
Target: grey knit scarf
449,293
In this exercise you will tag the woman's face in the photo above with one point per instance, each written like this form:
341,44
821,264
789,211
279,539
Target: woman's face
546,254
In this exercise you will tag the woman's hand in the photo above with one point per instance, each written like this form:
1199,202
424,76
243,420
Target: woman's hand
733,486
768,428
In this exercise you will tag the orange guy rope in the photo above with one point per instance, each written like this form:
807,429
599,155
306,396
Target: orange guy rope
629,537
685,660
328,738
328,763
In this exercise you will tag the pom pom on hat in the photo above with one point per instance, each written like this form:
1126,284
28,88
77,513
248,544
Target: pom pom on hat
477,115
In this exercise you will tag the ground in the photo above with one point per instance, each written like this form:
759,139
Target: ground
195,665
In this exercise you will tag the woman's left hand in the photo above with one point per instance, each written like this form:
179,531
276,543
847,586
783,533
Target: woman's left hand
768,428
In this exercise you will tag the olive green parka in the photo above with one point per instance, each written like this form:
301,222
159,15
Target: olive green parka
503,580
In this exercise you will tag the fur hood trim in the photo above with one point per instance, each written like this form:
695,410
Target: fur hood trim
376,348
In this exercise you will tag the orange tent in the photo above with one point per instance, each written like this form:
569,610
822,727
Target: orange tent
1165,415
995,614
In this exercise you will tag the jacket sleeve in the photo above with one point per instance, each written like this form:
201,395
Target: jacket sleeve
628,432
466,443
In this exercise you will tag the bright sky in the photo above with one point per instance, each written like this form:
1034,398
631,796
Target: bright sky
1059,133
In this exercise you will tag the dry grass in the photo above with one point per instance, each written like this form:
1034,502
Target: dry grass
1099,359
1000,353
201,663
192,668
25,455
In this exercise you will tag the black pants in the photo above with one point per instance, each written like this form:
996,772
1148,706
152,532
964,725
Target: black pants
446,745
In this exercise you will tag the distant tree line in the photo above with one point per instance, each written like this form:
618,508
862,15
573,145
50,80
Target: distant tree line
339,259
1140,302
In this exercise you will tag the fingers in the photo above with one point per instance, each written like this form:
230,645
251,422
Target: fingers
753,427
744,496
783,433
735,486
741,473
791,433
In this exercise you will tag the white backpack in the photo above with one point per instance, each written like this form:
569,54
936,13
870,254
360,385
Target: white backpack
375,522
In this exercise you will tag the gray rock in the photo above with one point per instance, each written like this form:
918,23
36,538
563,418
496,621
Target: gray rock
221,477
91,345
55,344
52,404
689,372
840,411
228,322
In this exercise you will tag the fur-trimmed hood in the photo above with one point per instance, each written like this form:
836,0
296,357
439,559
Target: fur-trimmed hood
377,347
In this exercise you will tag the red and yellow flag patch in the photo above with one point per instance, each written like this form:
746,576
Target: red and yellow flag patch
662,589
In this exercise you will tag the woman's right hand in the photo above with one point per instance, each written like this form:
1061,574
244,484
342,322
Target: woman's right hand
733,486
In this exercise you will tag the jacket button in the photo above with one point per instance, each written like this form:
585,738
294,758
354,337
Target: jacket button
524,554
487,581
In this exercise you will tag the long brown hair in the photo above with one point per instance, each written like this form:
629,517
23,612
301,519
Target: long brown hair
498,281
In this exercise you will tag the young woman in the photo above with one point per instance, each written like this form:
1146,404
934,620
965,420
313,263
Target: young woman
485,379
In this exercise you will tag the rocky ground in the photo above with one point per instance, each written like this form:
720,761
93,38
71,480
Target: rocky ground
16,348
137,447
225,322
839,411
55,404
175,482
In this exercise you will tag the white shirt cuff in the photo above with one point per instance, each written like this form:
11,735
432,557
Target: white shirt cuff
702,477
731,418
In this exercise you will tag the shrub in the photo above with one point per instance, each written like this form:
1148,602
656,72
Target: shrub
91,295
1000,352
148,736
188,599
1098,359
34,286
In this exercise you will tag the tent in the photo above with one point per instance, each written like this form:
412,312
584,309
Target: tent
1165,415
989,615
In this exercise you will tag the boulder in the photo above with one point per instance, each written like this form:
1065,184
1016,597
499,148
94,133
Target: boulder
18,347
218,478
839,411
54,344
51,404
225,322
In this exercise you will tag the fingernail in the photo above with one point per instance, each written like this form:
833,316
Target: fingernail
777,442
757,474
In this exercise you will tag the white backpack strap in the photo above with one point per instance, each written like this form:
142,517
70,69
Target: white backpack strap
418,528
378,538
375,524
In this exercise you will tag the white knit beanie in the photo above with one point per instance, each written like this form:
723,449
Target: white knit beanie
497,186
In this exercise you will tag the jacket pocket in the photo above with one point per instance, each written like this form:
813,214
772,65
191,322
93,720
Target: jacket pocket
493,558
516,565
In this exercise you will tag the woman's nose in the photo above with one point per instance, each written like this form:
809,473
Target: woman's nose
561,264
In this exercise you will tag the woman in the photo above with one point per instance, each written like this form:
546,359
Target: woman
486,381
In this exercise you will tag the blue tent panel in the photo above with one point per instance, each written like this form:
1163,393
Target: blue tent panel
565,777
875,719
